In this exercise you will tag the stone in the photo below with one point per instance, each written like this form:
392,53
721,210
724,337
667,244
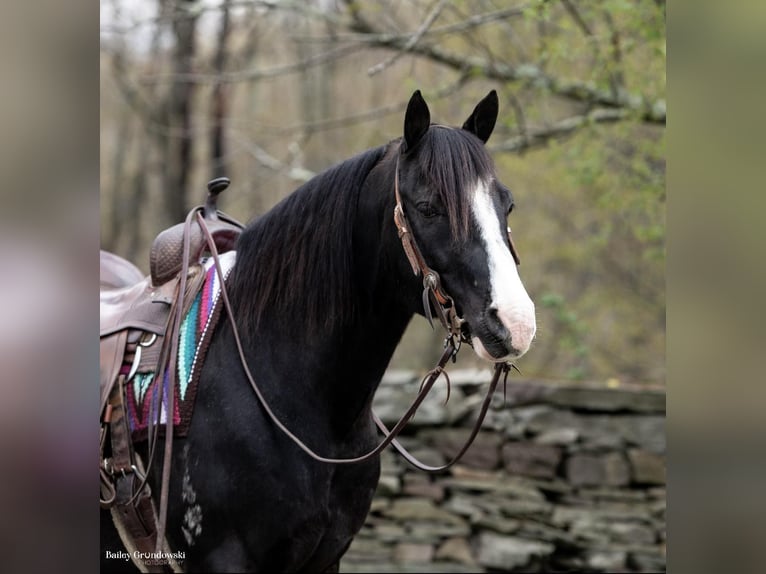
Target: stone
658,508
379,504
597,470
500,483
462,505
419,509
367,550
429,456
509,552
540,531
605,494
650,560
388,532
436,411
565,516
647,432
598,397
495,504
497,523
658,492
555,486
392,401
603,432
462,408
607,560
631,533
504,422
433,532
399,377
472,378
646,467
484,453
421,450
388,485
412,442
526,508
407,553
560,437
606,533
528,459
520,392
599,431
421,485
390,463
543,418
456,550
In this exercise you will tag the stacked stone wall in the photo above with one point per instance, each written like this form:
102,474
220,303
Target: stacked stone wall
564,476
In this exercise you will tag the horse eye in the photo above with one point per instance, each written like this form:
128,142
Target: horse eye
426,209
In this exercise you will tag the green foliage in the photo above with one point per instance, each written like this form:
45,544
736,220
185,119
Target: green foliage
571,330
590,200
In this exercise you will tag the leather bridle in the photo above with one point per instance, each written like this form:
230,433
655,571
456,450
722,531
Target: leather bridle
433,292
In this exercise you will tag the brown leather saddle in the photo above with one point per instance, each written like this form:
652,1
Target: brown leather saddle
136,328
135,306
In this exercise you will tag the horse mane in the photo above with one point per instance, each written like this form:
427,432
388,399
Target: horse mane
298,258
453,161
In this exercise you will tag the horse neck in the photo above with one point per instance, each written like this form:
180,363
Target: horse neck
338,368
356,354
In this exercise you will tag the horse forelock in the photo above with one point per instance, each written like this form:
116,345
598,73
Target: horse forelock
297,259
454,161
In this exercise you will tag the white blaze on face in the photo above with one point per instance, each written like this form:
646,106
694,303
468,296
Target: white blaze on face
509,297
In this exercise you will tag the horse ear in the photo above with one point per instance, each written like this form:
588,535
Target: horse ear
416,121
482,120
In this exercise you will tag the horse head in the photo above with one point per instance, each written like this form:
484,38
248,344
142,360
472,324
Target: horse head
457,210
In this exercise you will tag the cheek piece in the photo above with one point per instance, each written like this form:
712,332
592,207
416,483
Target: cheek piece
433,292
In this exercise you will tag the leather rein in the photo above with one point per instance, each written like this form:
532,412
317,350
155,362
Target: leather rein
433,293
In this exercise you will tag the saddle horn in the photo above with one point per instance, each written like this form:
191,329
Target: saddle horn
165,257
214,189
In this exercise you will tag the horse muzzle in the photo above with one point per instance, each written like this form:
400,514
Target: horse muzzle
504,335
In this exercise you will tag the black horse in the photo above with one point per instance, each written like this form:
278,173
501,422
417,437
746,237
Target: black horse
322,292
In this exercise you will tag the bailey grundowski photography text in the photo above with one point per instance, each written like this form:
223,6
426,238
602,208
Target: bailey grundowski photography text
149,558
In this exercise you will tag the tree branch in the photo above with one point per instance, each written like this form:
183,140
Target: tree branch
534,138
462,26
576,91
293,172
254,75
414,39
373,114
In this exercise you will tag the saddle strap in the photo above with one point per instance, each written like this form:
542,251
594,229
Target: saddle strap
122,449
137,519
121,478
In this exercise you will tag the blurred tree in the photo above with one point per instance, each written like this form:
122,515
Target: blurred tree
179,142
218,111
580,137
